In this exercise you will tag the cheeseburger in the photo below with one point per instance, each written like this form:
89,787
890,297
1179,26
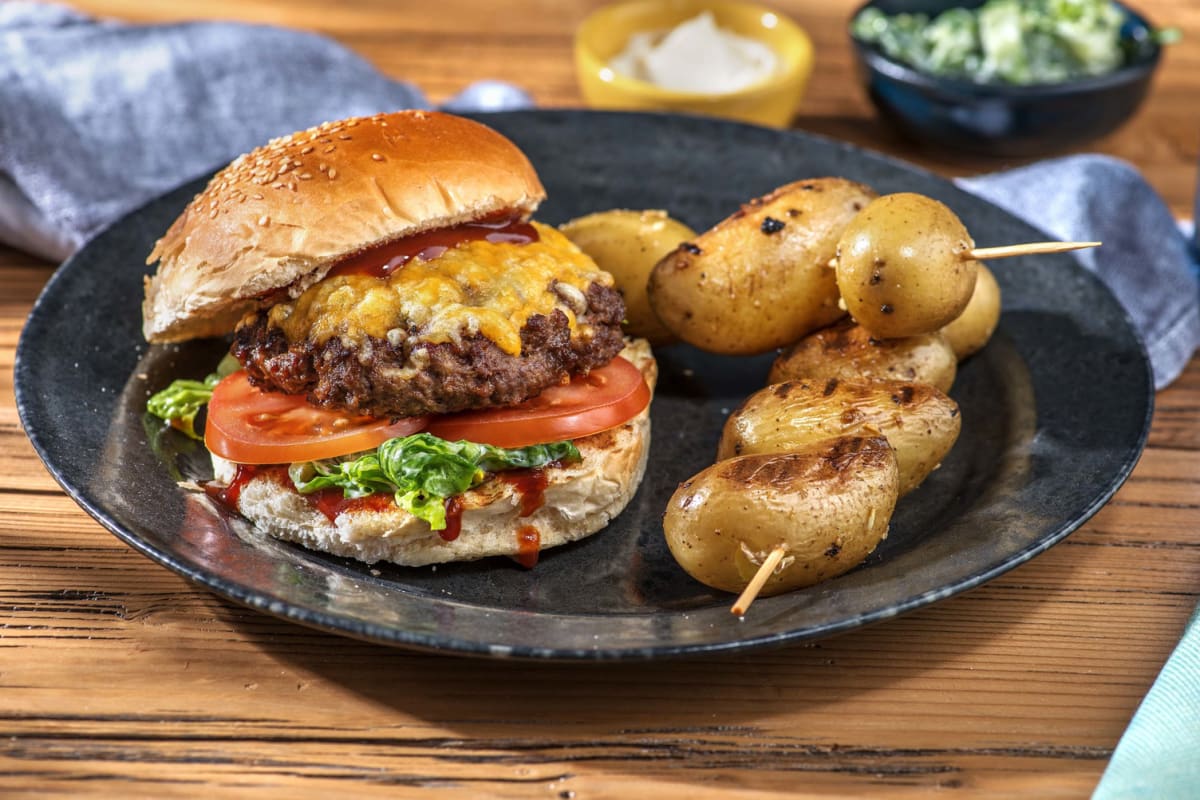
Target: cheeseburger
423,374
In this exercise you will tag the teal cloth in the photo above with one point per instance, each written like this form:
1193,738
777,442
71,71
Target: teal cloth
1159,755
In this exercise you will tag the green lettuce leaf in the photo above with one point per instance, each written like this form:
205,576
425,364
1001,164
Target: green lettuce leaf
422,471
180,402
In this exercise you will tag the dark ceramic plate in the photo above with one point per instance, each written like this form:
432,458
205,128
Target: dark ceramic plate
1055,413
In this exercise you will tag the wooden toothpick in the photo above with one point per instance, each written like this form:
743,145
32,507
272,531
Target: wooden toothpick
742,604
1031,248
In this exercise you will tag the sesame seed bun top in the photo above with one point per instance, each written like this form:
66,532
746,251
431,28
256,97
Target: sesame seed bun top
280,216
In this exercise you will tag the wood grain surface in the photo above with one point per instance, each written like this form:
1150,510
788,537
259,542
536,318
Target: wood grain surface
118,678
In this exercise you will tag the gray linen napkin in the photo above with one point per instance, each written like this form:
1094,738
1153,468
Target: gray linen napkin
1146,260
98,117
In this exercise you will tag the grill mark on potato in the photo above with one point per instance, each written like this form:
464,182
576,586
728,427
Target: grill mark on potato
871,451
837,464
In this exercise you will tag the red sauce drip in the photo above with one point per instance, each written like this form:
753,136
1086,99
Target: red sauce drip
453,519
330,502
529,544
530,484
333,503
228,496
380,261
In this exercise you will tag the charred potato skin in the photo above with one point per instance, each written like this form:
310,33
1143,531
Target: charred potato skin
627,244
829,503
974,327
847,351
761,278
919,421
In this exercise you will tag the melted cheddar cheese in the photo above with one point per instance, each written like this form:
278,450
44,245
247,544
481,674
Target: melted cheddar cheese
476,287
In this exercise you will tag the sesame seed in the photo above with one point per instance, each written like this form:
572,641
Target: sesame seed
376,157
322,167
213,214
343,136
307,150
304,176
332,173
330,149
264,220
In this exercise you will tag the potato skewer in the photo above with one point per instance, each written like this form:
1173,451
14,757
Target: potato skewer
906,264
757,280
828,502
742,604
1027,249
763,520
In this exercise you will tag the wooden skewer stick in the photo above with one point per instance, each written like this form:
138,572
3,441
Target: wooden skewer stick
742,604
1010,250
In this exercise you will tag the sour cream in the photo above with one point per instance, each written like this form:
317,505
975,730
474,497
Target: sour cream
696,56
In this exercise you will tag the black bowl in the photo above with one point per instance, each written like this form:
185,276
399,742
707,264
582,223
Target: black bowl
1003,120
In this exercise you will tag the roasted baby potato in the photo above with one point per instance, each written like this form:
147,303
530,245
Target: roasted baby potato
761,278
919,421
627,245
848,351
902,266
972,329
829,503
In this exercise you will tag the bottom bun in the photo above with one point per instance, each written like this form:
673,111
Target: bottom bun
578,500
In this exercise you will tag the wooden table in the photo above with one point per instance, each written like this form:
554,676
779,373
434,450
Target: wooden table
117,677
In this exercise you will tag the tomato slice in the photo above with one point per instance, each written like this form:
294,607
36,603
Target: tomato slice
602,399
250,426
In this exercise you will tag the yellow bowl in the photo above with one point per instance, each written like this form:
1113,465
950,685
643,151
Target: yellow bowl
772,101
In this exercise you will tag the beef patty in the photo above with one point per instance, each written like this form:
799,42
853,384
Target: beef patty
413,377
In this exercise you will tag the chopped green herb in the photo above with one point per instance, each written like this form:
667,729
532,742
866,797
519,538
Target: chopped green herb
1020,42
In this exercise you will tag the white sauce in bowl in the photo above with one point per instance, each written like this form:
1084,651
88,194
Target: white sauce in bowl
696,56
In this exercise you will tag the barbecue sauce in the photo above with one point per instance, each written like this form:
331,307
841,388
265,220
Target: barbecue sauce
382,260
228,496
454,512
330,502
333,502
529,544
530,487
